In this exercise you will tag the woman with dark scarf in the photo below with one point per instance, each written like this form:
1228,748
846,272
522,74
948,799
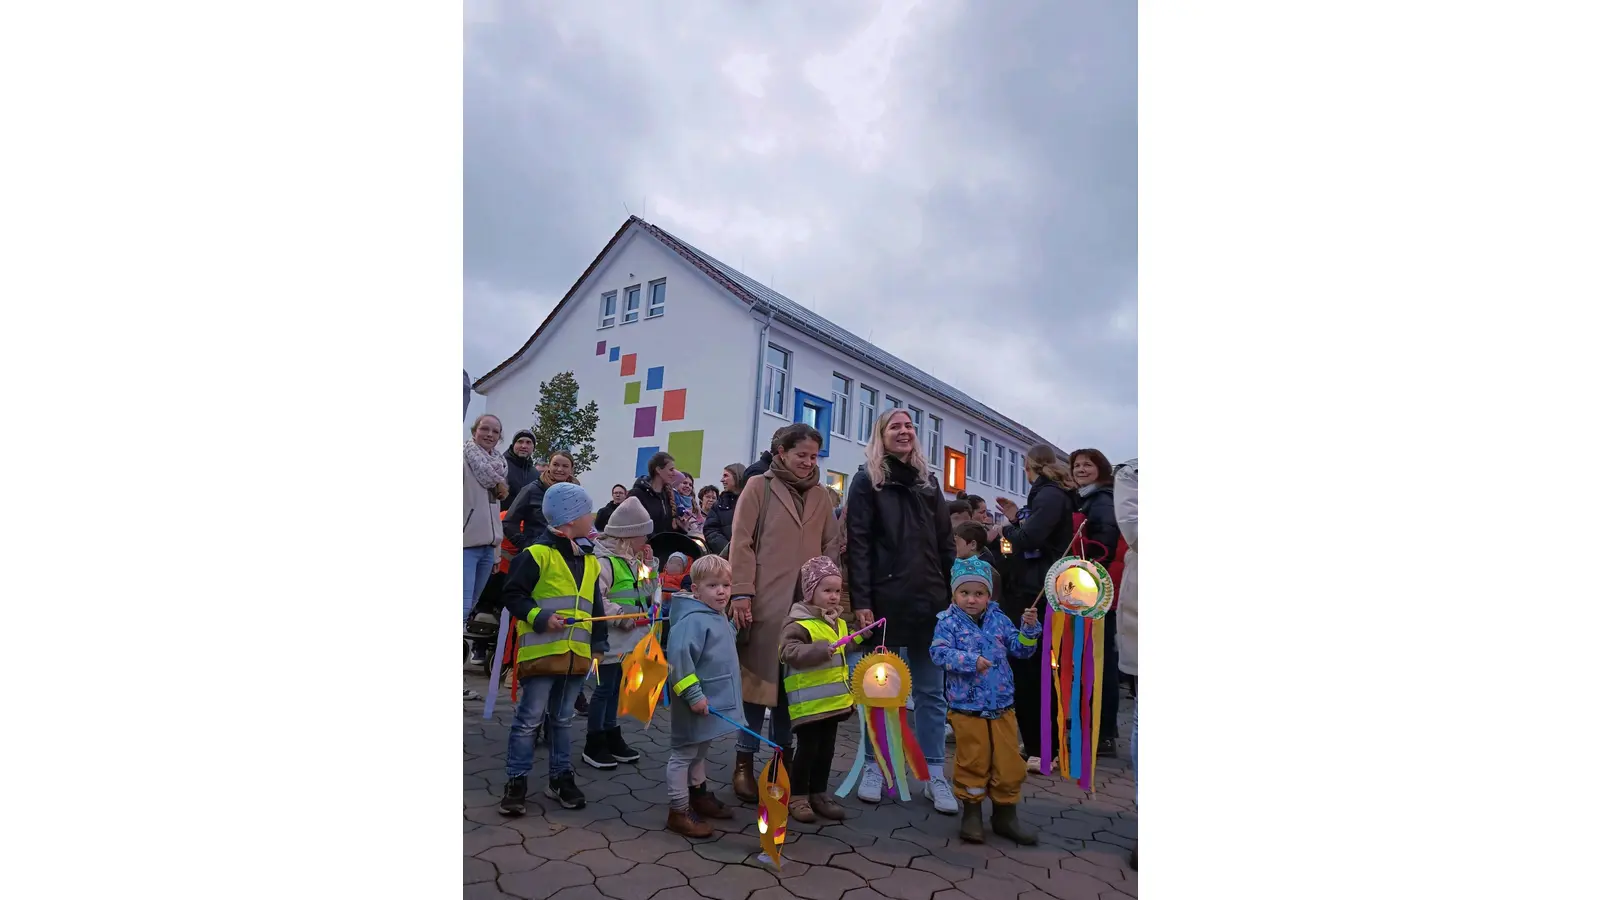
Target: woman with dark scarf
520,471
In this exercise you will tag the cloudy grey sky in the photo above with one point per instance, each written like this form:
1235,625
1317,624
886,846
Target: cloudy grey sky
889,164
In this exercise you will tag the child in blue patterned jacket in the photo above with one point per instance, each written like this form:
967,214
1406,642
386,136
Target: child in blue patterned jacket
971,643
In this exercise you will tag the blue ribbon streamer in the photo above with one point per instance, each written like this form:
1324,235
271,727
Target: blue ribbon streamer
1075,736
854,774
499,658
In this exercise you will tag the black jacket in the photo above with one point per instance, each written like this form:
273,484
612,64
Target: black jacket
759,467
1037,541
1100,530
525,520
604,515
519,474
719,522
660,506
518,590
900,550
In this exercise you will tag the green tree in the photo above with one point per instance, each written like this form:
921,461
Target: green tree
563,424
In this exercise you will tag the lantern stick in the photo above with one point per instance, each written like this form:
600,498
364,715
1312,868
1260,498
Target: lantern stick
857,633
772,744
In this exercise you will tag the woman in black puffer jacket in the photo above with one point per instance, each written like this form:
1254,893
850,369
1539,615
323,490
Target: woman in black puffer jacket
1092,472
1038,538
719,521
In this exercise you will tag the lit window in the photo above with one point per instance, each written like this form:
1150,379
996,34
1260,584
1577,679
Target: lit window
658,299
869,414
983,461
776,384
955,471
630,311
841,405
836,481
608,310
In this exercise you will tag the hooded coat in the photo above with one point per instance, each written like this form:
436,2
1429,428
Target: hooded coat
774,533
719,522
702,650
958,641
900,552
525,518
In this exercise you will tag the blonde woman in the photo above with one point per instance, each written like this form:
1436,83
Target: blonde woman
899,550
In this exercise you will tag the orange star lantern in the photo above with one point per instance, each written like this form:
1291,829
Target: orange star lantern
644,675
773,819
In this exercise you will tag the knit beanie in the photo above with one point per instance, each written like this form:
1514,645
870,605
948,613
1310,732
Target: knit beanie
629,520
565,503
676,557
812,573
524,433
971,571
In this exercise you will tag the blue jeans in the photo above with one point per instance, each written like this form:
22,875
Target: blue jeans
779,732
927,690
603,703
538,694
476,564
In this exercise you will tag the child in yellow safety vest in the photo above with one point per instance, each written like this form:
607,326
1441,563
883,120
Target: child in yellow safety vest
552,591
816,682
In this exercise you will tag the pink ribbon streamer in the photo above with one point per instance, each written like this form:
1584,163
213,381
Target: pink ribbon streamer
1046,688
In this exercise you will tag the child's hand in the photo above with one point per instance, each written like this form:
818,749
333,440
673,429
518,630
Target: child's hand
699,706
1030,617
983,665
626,624
556,620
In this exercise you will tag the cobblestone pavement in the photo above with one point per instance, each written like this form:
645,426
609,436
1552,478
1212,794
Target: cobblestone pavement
618,847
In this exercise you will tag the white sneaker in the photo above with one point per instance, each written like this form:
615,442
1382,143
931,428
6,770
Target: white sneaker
1033,764
944,800
949,734
469,694
871,790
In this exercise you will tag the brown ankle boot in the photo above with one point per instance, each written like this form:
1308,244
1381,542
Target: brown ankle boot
800,810
744,776
706,804
686,823
824,806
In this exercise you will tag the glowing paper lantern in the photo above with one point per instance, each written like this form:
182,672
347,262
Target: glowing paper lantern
881,684
644,675
1080,595
772,819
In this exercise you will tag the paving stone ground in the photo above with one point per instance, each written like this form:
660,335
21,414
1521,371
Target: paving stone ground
618,847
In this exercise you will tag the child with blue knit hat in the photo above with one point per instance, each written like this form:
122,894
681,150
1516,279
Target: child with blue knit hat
552,590
972,641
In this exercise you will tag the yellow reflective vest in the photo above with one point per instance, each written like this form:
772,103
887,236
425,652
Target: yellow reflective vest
816,692
557,650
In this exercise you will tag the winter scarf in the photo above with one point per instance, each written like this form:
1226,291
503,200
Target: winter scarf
782,472
488,468
544,478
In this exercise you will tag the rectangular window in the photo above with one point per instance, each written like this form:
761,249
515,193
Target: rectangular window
983,461
955,471
999,465
608,309
869,414
892,402
841,405
935,439
972,452
836,481
658,299
630,311
916,423
776,384
1014,485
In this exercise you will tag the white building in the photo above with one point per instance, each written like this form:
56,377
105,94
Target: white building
663,337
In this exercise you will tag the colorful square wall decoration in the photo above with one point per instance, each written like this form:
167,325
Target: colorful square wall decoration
600,348
643,464
616,353
653,378
672,403
630,364
644,422
686,448
630,393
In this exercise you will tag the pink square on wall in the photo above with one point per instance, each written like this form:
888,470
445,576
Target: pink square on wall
644,422
600,348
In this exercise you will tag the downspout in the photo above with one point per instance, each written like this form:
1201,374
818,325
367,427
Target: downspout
761,358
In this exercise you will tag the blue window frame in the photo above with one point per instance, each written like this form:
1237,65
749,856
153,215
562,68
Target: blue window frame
816,412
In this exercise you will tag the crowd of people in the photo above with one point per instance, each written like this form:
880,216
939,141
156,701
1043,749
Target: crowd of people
788,568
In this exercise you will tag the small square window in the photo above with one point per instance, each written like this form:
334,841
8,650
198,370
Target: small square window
658,299
608,309
630,310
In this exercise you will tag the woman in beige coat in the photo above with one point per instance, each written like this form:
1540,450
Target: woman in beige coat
784,517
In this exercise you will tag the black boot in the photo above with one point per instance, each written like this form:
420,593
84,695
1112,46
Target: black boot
1133,859
1006,824
597,751
564,790
620,751
514,802
972,822
581,705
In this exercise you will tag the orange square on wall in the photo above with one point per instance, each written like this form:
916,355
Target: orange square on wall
630,364
672,403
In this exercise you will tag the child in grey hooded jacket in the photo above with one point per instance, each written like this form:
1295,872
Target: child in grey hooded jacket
703,675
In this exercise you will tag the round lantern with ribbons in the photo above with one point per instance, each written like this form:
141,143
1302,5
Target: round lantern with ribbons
881,684
1079,594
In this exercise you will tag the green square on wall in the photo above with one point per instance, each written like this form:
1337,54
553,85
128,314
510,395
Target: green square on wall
630,392
686,448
